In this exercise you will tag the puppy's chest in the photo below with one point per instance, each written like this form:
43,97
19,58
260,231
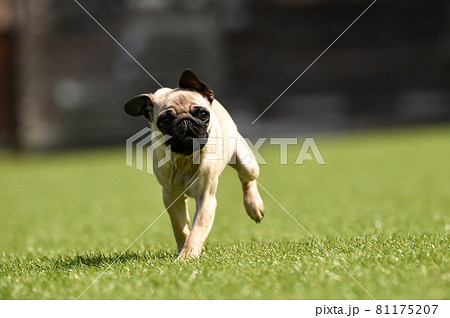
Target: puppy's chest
177,172
183,165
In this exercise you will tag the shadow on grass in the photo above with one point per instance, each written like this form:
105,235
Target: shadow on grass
99,259
80,261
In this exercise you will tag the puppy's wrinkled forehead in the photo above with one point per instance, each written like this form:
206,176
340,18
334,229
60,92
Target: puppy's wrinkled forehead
179,101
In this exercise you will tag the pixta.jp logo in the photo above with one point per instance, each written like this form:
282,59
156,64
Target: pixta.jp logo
148,140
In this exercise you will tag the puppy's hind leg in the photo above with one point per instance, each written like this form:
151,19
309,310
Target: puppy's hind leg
248,170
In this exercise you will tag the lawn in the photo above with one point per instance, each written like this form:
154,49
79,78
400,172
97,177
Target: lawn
380,206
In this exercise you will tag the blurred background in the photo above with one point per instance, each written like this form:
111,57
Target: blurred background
64,81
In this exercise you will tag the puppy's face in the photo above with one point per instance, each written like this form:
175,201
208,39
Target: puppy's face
182,113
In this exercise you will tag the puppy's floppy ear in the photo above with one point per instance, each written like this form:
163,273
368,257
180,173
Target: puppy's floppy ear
140,105
190,81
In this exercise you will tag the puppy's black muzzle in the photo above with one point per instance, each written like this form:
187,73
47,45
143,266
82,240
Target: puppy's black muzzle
183,135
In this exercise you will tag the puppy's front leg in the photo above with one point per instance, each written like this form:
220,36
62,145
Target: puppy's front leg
203,221
179,216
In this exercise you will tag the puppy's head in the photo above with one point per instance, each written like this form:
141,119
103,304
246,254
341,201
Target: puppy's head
182,113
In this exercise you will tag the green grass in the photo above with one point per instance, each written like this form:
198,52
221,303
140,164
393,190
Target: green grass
380,206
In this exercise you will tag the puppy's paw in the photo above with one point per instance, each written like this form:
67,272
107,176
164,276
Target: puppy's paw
255,209
253,203
189,253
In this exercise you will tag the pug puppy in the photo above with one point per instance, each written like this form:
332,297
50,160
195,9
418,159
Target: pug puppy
203,141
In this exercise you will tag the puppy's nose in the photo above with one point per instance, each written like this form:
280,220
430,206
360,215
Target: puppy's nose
185,123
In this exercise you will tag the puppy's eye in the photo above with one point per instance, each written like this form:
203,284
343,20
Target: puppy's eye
203,115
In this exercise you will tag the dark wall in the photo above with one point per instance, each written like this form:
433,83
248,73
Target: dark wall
8,120
391,67
8,101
